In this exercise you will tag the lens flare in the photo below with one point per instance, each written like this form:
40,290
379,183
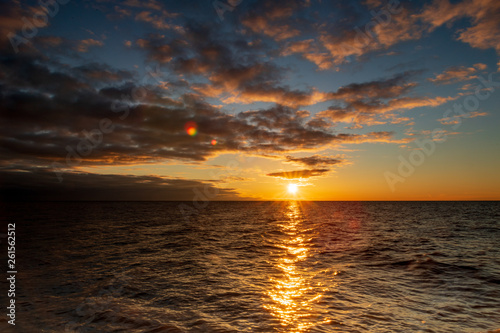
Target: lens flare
191,131
191,128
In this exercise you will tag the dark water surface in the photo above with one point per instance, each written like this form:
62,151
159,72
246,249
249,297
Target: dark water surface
256,267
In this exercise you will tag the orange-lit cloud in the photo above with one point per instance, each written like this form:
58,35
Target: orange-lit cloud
456,119
458,74
376,102
372,37
272,20
13,17
484,31
402,24
84,45
279,32
157,21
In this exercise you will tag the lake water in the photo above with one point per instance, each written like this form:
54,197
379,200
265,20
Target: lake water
255,267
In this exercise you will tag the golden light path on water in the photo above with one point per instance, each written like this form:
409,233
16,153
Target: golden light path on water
293,294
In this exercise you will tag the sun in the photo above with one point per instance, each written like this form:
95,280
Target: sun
292,188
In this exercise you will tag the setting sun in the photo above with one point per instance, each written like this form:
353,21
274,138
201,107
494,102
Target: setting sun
292,188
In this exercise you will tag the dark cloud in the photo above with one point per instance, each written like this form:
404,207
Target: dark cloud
274,18
378,102
299,174
238,70
47,115
391,87
100,73
42,184
13,17
315,160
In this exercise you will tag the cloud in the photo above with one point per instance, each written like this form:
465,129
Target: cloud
49,41
391,87
456,119
273,19
151,12
13,17
315,160
310,51
31,184
149,4
378,102
56,46
392,23
378,112
484,16
299,174
83,45
280,95
201,49
361,38
48,115
458,74
236,71
339,40
262,25
157,21
122,12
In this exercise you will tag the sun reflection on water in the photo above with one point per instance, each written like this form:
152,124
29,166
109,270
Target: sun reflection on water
293,295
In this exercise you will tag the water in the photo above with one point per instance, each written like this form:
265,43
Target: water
256,267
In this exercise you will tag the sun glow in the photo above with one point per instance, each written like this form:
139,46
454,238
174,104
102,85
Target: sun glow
293,188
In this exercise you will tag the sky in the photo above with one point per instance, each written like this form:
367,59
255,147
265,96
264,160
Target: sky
238,99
